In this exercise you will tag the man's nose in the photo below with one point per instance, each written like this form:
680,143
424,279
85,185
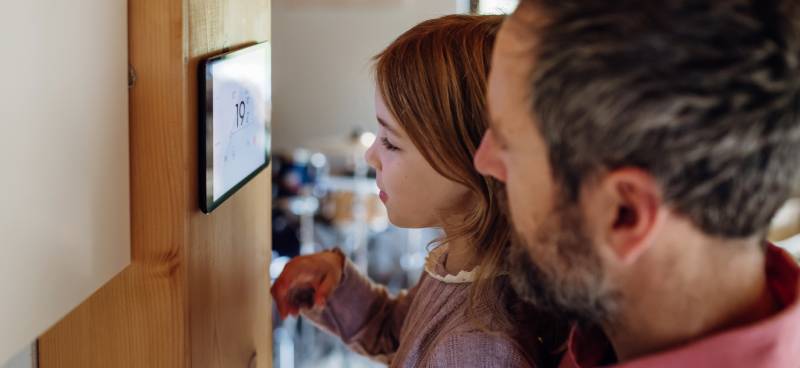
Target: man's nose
486,159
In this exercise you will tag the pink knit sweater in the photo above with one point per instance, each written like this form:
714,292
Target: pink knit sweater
424,326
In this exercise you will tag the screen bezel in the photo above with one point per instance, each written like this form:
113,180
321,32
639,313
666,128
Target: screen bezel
206,109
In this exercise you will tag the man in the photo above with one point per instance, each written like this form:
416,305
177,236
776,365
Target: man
645,146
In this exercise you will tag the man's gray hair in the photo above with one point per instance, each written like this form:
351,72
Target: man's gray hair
701,94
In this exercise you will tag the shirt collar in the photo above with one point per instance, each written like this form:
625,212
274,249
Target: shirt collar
434,267
771,342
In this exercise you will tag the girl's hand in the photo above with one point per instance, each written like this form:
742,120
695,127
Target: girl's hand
306,281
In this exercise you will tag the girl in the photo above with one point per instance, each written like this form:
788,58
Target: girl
430,106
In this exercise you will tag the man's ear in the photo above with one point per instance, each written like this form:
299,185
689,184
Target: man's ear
624,210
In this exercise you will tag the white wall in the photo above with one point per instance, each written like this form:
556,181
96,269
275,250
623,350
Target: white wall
322,76
27,358
64,188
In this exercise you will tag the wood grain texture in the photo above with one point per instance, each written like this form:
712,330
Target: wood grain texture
230,249
196,294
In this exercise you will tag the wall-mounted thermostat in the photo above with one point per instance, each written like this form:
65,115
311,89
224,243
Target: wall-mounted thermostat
235,116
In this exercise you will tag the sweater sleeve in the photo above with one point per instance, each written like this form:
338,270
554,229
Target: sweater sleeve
364,315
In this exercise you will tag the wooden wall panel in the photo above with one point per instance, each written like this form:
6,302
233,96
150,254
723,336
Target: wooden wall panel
197,293
228,274
228,292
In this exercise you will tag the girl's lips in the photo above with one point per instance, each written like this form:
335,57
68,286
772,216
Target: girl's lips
384,196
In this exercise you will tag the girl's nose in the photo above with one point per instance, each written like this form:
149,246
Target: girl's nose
372,156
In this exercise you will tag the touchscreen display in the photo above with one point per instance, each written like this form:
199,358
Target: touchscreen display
237,121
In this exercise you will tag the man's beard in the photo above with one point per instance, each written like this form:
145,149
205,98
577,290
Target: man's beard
566,276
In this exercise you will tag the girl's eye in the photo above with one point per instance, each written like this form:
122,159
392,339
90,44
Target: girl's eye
389,146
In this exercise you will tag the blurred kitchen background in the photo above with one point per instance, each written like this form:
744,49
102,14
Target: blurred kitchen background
324,194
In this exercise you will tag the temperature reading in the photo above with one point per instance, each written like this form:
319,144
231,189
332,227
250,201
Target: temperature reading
241,109
236,143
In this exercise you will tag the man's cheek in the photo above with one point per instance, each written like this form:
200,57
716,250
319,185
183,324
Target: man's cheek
521,209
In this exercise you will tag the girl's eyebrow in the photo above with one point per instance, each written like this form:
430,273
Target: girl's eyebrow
387,126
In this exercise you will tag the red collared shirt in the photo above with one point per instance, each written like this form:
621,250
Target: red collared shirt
771,342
